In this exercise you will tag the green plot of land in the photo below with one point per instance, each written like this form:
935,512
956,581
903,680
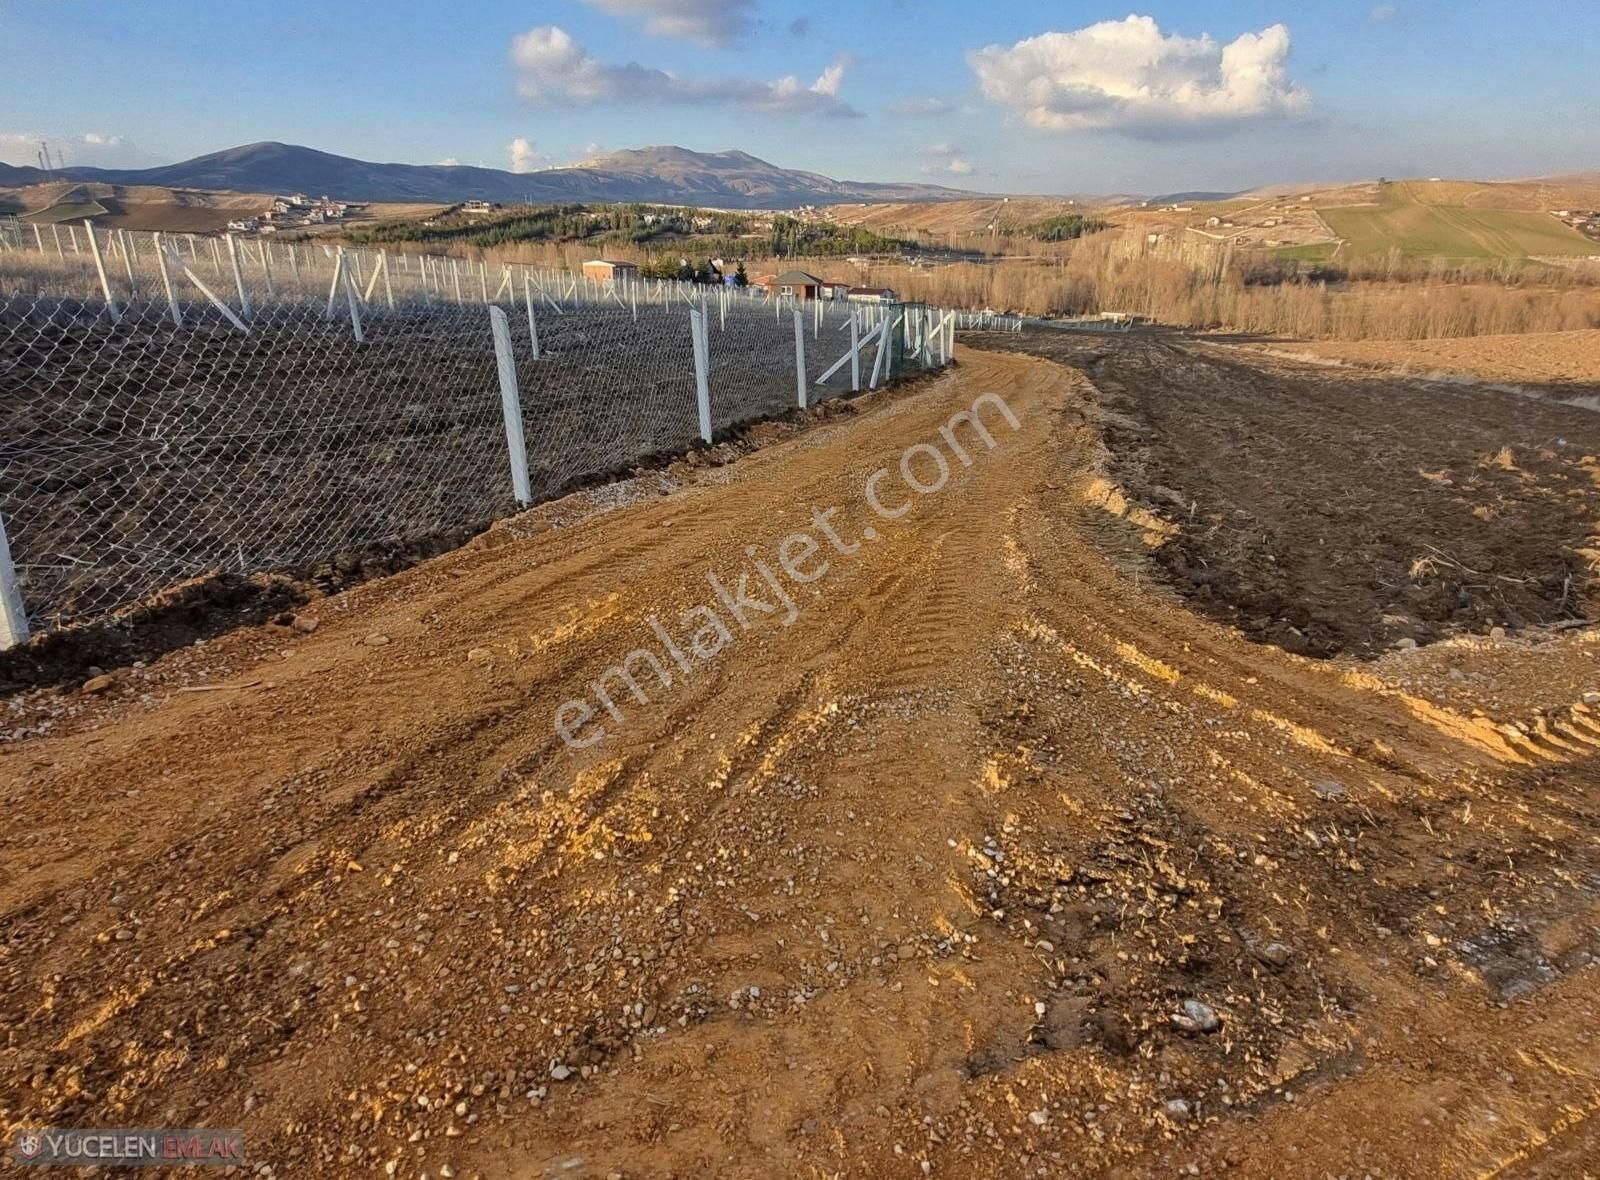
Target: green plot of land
1450,231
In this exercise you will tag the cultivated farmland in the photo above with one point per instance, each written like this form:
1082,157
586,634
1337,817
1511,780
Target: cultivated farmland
1426,230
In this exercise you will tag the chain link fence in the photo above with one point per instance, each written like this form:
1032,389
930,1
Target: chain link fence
177,407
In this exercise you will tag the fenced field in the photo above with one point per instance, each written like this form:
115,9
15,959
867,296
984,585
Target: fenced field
176,407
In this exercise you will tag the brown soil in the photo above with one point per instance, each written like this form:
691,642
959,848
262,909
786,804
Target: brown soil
912,887
1340,510
1563,364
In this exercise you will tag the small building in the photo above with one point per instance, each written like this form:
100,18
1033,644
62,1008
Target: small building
795,283
480,206
834,291
871,295
606,271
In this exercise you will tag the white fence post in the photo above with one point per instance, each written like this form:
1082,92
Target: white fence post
219,304
100,269
127,262
855,352
333,287
800,358
511,405
533,327
238,276
354,300
13,618
388,290
166,282
702,365
882,366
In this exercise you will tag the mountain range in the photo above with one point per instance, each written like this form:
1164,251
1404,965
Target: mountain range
669,175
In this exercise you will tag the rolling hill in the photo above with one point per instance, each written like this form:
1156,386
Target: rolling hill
670,175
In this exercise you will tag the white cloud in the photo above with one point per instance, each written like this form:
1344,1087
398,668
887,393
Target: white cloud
554,70
524,158
708,22
920,107
1128,76
449,162
1383,12
948,158
91,149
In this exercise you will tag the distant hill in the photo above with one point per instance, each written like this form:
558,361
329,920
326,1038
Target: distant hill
669,175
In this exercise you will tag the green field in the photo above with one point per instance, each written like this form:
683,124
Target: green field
1452,231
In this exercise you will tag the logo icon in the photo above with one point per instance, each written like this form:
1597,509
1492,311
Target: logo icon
28,1144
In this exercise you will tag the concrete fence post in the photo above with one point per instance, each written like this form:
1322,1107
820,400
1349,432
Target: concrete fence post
238,275
127,261
511,406
13,618
533,326
855,353
800,358
166,283
702,365
100,269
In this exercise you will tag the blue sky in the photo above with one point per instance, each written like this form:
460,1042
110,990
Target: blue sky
1023,96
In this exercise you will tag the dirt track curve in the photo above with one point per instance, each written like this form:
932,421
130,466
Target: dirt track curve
916,885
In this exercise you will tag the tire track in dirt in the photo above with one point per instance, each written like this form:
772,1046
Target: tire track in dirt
864,892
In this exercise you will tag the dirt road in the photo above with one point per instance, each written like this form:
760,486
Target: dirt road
996,861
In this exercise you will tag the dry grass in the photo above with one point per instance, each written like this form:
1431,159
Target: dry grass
1240,295
1091,277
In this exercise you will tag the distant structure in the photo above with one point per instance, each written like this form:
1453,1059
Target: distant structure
480,207
796,283
294,212
604,270
871,295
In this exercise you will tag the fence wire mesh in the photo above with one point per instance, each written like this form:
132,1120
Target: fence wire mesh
178,407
